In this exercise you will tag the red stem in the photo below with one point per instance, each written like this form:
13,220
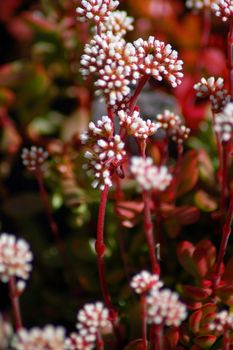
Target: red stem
52,223
100,247
15,304
139,88
144,326
159,337
230,57
206,28
99,342
148,226
225,237
226,340
224,176
100,251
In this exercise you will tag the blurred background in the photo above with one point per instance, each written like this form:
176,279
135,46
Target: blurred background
44,102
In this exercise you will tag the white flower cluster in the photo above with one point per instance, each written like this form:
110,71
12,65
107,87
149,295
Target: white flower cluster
92,319
213,89
180,134
223,9
223,322
34,157
106,152
159,60
164,308
6,333
118,23
115,63
15,258
136,126
144,281
49,338
198,4
148,176
224,123
96,10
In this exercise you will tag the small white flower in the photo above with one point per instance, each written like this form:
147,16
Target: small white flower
118,23
223,322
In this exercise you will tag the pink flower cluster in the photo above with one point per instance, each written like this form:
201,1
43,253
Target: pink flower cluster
164,308
213,89
92,320
96,10
144,281
172,125
106,152
223,9
148,176
136,126
15,258
223,322
34,157
49,338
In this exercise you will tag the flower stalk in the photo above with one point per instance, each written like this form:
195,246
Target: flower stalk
225,237
15,304
144,325
230,57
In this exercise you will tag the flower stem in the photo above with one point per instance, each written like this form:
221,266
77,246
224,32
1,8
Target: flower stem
230,57
148,226
143,317
224,176
99,342
206,28
225,237
226,340
100,251
139,88
52,223
15,304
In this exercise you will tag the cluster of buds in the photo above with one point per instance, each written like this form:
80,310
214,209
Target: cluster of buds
49,338
93,320
15,258
159,60
223,322
118,23
172,125
96,10
213,89
136,126
224,123
34,157
106,152
148,176
164,308
144,281
223,9
199,4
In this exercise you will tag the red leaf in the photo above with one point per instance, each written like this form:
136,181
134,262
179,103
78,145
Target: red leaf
185,251
135,345
194,321
205,341
197,293
204,257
